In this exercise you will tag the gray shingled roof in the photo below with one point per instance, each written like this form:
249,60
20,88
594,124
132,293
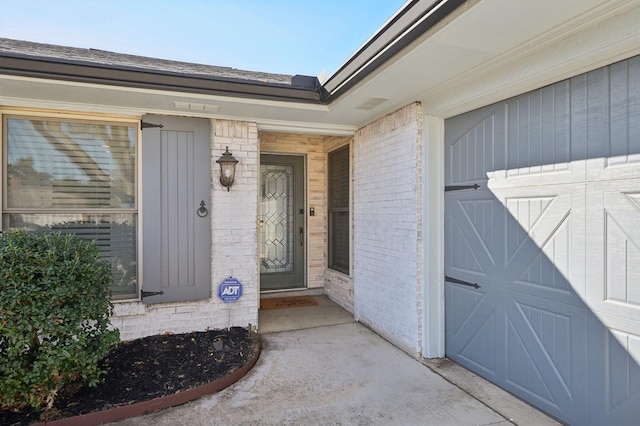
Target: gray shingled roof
119,60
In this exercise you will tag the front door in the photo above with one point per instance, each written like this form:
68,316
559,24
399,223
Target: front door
176,200
282,222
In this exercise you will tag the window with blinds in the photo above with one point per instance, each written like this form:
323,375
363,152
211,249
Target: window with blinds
339,231
75,177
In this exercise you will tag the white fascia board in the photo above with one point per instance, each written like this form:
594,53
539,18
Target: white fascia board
170,93
30,101
264,125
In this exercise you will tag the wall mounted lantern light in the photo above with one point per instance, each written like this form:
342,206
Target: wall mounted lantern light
227,168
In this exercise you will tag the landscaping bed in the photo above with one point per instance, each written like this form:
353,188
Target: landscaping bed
151,368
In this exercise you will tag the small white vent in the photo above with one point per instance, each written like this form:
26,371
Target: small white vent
196,107
371,103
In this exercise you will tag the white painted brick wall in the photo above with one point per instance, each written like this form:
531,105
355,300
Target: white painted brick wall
234,215
339,288
234,249
234,237
387,246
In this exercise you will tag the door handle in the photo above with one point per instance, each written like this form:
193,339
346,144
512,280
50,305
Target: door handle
301,236
202,211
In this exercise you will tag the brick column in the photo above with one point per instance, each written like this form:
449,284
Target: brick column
234,219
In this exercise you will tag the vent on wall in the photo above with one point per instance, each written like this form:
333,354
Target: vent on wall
196,107
371,103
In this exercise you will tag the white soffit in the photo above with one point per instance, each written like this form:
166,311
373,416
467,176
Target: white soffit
526,43
601,36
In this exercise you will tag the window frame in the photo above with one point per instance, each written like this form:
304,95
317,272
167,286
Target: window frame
62,117
348,209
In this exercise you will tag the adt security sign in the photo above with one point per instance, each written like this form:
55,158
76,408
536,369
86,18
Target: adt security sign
230,290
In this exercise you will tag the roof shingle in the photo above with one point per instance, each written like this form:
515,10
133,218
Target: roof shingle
120,60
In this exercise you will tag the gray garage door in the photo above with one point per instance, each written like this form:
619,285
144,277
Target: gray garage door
552,239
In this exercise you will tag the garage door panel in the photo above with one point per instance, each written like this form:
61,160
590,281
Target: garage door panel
523,342
561,271
614,371
474,154
538,270
472,335
543,336
528,235
478,352
537,131
523,374
541,275
614,251
617,154
592,113
539,147
525,378
525,213
473,228
546,353
463,259
622,256
614,168
465,304
540,234
622,349
534,219
624,111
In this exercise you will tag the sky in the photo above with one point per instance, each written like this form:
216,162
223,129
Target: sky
307,37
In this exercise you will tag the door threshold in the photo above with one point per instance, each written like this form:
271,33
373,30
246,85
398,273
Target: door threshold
288,292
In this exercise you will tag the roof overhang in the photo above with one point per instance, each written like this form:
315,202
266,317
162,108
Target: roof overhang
140,78
450,55
405,26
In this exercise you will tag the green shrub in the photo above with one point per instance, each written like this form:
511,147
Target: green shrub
54,317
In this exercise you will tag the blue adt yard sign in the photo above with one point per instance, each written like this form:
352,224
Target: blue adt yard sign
230,290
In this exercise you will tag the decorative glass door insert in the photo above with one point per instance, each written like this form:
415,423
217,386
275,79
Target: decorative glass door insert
282,233
277,212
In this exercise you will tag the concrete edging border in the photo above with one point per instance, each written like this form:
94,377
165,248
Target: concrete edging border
126,411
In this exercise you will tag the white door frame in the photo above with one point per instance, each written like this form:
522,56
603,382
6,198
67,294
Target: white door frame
433,241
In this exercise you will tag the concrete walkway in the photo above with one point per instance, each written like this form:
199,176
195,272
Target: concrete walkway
342,373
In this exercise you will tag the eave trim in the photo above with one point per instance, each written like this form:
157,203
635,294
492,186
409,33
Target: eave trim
25,66
406,26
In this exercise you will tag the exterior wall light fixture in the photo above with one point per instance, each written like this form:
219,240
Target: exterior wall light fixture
227,169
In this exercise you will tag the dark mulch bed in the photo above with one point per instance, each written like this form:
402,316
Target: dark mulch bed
152,367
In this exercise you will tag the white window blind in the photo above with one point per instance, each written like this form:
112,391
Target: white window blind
70,165
76,177
339,232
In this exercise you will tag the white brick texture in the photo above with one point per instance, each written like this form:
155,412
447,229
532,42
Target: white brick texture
234,235
234,249
387,238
